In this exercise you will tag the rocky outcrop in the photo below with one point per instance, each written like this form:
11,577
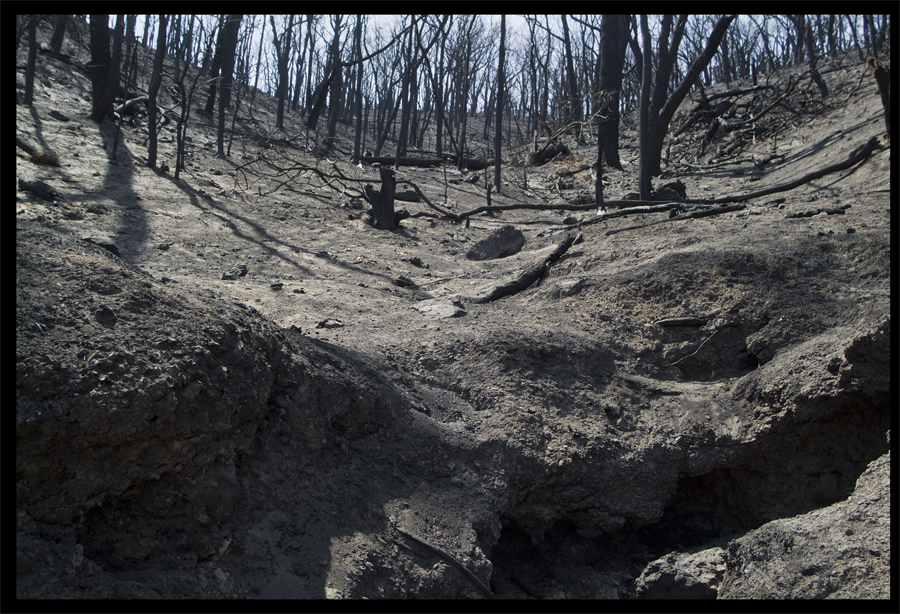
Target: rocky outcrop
842,551
682,576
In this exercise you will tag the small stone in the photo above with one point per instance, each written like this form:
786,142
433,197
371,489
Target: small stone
834,363
238,270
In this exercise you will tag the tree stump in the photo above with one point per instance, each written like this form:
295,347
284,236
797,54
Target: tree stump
383,201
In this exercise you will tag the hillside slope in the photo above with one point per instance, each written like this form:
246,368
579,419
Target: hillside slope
189,428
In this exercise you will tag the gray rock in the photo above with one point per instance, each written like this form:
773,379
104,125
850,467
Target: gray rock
500,244
441,308
842,551
683,576
238,270
570,287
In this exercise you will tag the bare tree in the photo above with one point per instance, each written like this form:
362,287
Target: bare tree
573,100
439,94
466,80
59,32
155,82
214,69
254,88
337,84
28,98
660,110
613,38
186,98
644,169
282,51
229,45
501,80
357,45
101,68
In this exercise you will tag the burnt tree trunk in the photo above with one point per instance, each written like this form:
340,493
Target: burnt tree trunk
229,44
383,201
29,71
100,63
155,82
614,37
883,79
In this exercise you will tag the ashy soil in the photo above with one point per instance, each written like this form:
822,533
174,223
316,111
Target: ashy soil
281,433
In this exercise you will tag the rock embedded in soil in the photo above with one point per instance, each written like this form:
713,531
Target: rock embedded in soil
440,308
504,242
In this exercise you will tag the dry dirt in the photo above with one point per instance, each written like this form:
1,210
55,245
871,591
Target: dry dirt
182,435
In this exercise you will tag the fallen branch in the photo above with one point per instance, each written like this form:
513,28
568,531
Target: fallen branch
856,157
450,559
688,216
535,207
472,164
630,204
421,194
694,353
707,212
816,211
531,275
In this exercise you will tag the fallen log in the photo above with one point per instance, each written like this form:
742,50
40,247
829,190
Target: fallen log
856,157
688,216
389,161
22,144
531,275
126,107
472,164
550,151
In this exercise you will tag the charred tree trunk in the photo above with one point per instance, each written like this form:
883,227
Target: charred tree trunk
383,201
229,45
214,69
357,38
644,169
59,33
501,77
439,102
155,82
883,80
811,52
405,96
613,39
130,63
337,86
29,70
573,99
100,65
282,51
661,123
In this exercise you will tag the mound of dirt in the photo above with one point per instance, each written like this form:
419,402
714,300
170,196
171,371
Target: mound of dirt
222,394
